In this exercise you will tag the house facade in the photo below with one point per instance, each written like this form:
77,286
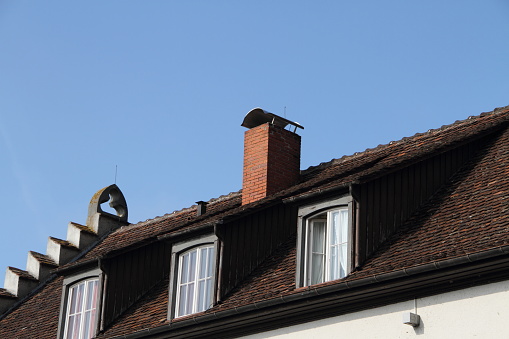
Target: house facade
404,239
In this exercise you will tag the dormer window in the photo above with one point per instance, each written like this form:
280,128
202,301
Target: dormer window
81,295
80,321
193,276
324,238
195,279
327,246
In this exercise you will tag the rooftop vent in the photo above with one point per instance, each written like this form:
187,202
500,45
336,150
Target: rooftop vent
201,208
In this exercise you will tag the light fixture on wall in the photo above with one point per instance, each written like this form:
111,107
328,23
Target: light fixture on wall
412,319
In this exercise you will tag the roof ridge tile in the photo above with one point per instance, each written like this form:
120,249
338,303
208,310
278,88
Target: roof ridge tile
181,211
470,119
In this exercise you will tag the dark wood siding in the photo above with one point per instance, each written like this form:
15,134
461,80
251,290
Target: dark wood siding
130,275
386,202
248,241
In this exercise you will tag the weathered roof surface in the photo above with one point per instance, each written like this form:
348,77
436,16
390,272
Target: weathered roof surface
149,312
468,215
37,318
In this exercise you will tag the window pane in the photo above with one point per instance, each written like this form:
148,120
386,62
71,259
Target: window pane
317,269
343,262
70,327
192,265
182,300
77,298
208,293
72,300
335,228
317,262
344,226
76,327
86,325
318,237
91,294
334,263
91,324
210,263
202,295
184,268
339,235
203,263
190,298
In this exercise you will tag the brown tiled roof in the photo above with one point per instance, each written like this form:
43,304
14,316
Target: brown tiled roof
273,278
37,318
468,215
149,312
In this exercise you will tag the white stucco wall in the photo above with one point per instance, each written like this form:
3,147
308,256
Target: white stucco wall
477,312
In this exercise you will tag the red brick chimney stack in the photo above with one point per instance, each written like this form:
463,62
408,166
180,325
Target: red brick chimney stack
271,156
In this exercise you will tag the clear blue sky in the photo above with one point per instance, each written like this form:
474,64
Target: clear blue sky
160,88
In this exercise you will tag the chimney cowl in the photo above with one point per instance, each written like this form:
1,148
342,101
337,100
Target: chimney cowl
258,116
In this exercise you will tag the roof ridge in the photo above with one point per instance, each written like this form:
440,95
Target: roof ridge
380,147
181,211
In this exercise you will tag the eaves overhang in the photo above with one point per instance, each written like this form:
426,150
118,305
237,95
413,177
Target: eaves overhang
321,194
333,299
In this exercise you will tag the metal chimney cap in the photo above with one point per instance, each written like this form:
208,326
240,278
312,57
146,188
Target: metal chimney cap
258,116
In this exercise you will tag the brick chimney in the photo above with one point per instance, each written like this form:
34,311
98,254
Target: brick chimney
271,155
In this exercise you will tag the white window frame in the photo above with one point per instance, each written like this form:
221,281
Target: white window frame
86,305
71,282
327,247
201,274
306,215
178,250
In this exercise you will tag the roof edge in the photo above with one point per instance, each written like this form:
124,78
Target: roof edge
330,291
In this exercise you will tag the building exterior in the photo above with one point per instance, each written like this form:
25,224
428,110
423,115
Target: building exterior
402,240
